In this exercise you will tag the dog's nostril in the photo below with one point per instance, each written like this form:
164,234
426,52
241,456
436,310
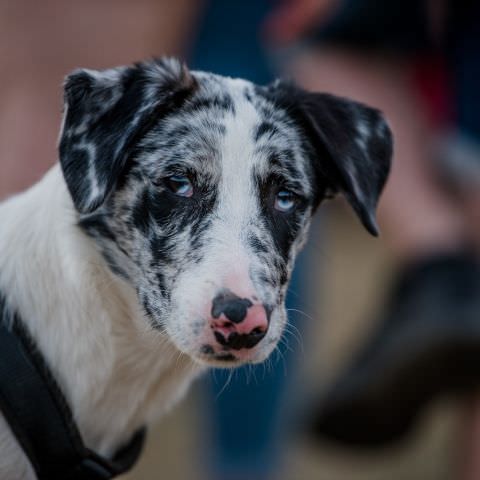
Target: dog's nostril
236,311
233,307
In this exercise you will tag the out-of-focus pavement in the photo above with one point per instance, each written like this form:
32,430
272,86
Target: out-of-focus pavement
356,271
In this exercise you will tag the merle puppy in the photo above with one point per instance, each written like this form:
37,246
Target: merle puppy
164,241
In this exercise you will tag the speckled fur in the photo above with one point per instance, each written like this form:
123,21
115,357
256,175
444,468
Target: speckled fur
113,274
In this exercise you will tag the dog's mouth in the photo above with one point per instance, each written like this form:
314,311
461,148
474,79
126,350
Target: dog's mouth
223,344
227,358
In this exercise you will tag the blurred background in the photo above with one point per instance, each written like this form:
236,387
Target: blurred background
377,376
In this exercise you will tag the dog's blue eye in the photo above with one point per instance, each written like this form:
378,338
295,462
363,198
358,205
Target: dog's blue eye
180,185
285,201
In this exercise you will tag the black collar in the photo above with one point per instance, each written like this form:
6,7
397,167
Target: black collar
37,412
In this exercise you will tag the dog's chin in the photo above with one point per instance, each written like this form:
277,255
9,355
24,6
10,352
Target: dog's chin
230,358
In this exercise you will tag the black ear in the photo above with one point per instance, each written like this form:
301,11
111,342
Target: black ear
106,114
351,145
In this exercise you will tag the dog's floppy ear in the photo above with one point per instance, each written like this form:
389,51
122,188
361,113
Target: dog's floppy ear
351,146
106,113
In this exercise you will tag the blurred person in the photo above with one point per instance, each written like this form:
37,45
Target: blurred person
419,62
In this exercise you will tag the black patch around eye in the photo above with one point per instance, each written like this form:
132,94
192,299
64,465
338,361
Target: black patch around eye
157,207
284,229
160,215
283,226
141,212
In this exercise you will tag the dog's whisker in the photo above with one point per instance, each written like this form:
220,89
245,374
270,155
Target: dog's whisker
301,312
295,334
227,382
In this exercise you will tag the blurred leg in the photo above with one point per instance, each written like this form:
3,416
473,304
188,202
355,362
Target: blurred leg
418,216
426,230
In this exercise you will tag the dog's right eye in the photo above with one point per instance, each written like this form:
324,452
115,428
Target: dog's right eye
180,185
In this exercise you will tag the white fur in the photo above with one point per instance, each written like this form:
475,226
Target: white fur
115,374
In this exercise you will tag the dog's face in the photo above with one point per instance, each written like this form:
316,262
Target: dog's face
198,190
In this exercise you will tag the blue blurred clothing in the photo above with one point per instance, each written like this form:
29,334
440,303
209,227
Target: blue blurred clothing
228,43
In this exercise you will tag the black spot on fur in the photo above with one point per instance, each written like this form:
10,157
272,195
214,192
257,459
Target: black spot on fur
146,307
180,132
223,103
113,264
97,225
161,283
141,212
257,245
161,250
264,129
207,349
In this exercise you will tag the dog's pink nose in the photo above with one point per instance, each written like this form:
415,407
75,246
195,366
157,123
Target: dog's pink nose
237,323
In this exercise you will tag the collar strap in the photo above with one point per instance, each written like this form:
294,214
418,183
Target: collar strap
40,418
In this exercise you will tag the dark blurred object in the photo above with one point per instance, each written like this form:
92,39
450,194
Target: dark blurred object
428,340
427,345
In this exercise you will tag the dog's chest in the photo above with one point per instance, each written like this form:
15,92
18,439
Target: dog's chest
139,391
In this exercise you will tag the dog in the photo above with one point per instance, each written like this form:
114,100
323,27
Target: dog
162,242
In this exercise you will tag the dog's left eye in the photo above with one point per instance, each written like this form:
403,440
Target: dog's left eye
180,185
285,201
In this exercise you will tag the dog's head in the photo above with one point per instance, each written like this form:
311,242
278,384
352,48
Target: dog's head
198,190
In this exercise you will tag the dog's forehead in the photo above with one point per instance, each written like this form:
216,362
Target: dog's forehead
226,128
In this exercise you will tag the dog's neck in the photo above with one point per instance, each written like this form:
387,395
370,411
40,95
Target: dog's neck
115,372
